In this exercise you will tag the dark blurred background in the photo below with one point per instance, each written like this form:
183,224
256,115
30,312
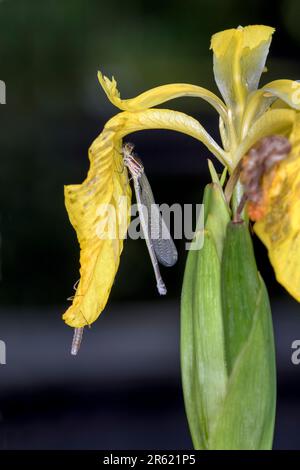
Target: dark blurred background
123,391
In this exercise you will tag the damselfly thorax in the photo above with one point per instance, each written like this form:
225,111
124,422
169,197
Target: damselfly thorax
132,161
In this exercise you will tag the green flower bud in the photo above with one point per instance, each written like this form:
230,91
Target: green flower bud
227,346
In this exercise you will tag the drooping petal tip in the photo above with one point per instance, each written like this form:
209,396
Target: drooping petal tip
110,88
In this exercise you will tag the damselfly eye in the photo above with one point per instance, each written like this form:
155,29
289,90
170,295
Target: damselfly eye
128,147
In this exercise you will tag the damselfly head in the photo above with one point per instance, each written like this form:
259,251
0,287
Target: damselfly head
128,148
132,161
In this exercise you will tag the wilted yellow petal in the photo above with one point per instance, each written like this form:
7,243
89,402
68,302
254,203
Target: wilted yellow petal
279,229
107,184
99,211
239,60
159,95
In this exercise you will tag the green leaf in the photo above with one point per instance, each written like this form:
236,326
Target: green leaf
214,175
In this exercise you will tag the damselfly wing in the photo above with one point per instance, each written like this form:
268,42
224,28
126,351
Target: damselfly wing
163,244
158,240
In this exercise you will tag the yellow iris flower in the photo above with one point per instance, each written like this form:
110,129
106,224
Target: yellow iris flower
246,114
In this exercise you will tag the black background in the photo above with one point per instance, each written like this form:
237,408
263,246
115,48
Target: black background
123,391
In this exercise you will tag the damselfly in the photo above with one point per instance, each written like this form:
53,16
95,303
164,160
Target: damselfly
157,236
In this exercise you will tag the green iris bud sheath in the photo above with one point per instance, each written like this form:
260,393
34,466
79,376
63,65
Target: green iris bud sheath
227,346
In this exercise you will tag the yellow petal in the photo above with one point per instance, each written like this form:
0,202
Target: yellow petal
239,60
95,207
279,229
175,121
107,184
287,91
277,94
274,121
159,95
